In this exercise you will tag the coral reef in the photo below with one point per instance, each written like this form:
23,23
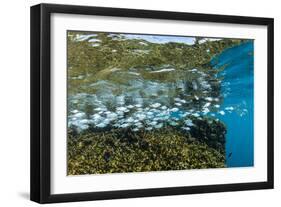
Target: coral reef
170,148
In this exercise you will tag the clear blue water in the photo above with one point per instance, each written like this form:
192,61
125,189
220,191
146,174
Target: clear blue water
238,91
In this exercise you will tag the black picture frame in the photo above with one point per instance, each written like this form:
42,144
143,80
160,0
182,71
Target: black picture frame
41,96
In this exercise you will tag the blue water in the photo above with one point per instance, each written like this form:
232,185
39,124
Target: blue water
238,91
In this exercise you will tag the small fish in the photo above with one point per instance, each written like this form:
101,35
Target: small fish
188,122
206,110
163,70
158,126
153,123
149,113
95,45
142,43
84,127
229,108
156,105
173,123
216,99
140,109
79,115
141,116
207,105
193,70
175,118
129,120
138,124
164,107
209,99
75,111
96,116
229,155
130,106
186,128
101,125
196,114
99,109
84,121
184,114
121,108
112,116
194,85
120,113
124,125
174,109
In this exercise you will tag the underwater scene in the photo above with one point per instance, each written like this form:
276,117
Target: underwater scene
142,102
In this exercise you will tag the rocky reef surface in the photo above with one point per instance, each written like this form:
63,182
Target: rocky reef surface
169,148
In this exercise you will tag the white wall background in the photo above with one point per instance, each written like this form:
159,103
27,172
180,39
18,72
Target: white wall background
14,102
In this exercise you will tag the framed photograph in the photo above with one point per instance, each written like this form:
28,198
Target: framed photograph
133,103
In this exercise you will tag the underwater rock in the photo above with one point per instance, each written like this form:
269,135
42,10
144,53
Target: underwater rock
209,131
